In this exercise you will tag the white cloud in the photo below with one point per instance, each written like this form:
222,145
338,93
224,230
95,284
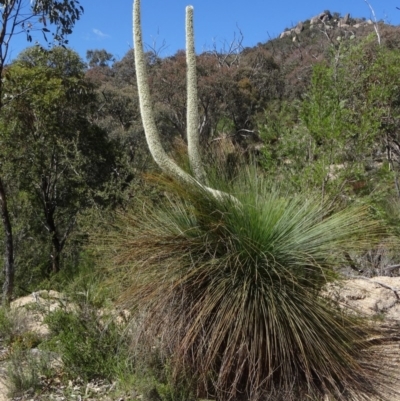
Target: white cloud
100,34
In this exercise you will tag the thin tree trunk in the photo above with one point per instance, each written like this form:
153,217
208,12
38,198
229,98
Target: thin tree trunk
55,257
55,240
8,285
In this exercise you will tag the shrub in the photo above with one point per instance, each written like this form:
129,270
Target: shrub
26,371
14,329
90,346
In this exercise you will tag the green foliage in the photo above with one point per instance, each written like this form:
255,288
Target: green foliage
26,371
153,377
90,345
230,293
6,325
63,14
58,161
350,100
54,17
337,137
14,330
99,58
84,282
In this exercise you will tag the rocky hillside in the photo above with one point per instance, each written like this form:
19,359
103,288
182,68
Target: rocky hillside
297,49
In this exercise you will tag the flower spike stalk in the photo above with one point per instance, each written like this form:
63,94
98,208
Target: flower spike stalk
158,153
192,116
166,164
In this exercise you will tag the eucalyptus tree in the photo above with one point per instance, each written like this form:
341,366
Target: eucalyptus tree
54,17
60,158
99,58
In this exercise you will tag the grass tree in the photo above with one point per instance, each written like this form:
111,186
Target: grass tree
232,296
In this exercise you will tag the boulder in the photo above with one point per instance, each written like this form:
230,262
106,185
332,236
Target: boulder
372,297
299,28
345,19
285,33
323,17
33,309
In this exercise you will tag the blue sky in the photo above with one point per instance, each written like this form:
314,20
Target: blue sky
110,26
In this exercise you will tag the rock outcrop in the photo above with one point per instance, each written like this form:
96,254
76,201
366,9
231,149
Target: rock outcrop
375,297
326,20
321,18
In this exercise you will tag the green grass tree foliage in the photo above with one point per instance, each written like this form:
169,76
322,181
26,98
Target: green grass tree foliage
60,159
227,283
19,16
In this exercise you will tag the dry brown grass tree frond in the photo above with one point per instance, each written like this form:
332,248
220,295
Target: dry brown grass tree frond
231,296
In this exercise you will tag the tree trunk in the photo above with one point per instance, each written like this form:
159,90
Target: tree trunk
55,257
57,245
8,285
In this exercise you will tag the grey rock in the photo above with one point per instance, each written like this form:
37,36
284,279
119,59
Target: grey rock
345,19
322,17
299,28
285,33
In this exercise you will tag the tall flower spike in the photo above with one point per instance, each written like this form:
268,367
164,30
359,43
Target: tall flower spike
159,155
166,164
192,113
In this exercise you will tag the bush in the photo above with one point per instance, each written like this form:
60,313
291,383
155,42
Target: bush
15,331
90,346
228,289
84,283
26,371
